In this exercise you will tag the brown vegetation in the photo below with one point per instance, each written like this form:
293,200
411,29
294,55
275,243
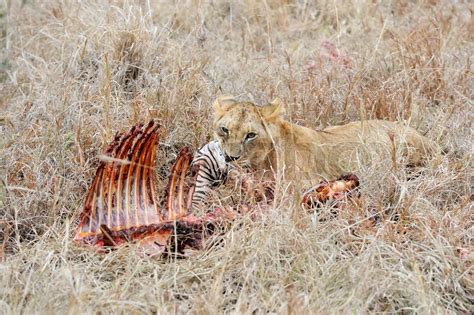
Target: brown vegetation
73,73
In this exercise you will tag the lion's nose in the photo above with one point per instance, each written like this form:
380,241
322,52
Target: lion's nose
229,158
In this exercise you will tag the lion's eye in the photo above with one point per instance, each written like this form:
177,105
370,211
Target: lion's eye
250,136
224,131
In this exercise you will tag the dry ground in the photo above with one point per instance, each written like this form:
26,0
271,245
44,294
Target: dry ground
72,73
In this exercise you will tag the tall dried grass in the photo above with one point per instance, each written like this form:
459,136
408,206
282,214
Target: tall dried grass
73,73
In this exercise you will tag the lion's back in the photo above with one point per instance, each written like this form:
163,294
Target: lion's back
381,138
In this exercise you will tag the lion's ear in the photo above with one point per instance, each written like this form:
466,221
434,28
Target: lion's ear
273,110
222,103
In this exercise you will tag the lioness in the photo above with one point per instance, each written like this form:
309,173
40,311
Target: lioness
260,137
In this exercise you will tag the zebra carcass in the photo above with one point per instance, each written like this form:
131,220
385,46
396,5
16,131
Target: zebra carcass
121,205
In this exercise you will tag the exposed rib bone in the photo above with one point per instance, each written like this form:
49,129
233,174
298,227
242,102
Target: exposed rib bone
122,194
175,192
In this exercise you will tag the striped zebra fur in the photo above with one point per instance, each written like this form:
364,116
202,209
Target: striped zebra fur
212,171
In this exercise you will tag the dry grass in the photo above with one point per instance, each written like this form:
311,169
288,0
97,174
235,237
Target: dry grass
73,73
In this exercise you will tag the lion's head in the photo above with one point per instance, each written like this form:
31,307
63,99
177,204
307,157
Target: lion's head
245,130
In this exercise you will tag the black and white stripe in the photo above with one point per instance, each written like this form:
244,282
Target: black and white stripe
213,170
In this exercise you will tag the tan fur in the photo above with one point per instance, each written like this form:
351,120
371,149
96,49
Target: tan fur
310,155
